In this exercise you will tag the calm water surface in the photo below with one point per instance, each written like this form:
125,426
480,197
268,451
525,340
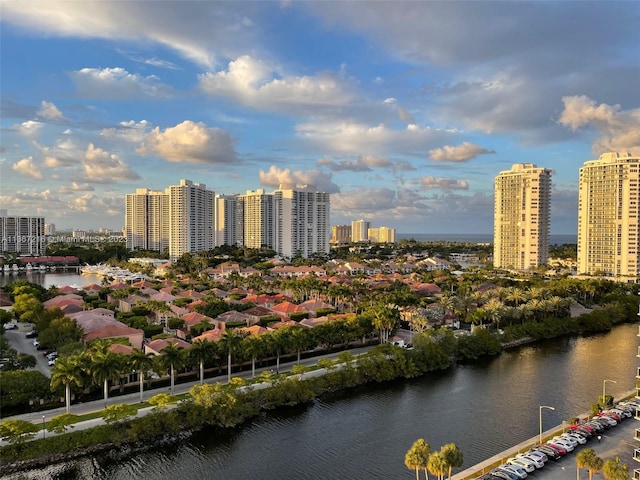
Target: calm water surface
364,433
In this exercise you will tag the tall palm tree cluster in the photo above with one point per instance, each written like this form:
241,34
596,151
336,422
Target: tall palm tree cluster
440,463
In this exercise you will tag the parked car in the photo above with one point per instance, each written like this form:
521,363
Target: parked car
547,450
612,422
52,356
36,343
536,461
52,362
31,334
504,475
597,426
538,454
558,448
527,465
568,446
516,470
10,326
575,436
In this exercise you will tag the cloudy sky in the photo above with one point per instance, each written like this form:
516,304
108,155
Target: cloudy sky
403,111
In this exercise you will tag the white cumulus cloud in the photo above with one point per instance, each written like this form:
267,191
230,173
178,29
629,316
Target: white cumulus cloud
619,129
49,111
190,142
276,176
27,168
254,83
117,83
460,153
435,183
100,166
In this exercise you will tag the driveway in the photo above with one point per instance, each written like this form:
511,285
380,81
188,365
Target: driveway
17,340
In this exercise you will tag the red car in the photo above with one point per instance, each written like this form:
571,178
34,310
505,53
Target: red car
558,448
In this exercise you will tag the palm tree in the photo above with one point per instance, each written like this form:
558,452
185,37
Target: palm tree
103,368
171,357
437,465
65,371
229,342
452,455
255,347
201,351
300,339
417,457
140,362
614,469
588,459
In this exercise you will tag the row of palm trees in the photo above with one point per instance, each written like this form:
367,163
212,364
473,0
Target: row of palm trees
100,366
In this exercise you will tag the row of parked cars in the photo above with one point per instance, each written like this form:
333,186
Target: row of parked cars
521,465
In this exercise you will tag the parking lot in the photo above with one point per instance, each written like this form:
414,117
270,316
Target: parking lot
17,339
615,441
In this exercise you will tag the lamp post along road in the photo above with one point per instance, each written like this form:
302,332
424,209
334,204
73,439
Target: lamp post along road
604,387
44,430
541,407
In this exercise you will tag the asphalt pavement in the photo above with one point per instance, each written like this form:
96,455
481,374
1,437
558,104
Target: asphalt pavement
616,441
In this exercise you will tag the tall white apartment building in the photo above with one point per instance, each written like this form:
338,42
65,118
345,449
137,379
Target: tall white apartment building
360,231
228,220
22,235
301,221
256,211
146,221
522,217
191,218
608,223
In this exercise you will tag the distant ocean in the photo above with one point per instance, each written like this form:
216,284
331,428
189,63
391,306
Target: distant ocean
558,239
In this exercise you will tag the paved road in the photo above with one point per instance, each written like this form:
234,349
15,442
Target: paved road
616,441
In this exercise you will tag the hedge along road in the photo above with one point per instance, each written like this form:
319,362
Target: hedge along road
179,389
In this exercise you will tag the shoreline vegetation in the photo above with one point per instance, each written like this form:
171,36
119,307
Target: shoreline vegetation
216,406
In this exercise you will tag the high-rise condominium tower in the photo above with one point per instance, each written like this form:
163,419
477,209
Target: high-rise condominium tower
256,211
608,224
146,221
22,235
228,223
301,221
360,231
521,217
191,218
180,219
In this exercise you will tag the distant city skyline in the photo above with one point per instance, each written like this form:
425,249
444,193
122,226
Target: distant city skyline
403,111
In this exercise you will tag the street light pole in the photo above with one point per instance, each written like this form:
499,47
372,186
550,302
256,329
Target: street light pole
44,430
541,407
604,386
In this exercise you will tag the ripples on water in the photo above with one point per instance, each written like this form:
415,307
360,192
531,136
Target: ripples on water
364,433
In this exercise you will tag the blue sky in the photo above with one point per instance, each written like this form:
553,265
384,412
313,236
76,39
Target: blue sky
404,111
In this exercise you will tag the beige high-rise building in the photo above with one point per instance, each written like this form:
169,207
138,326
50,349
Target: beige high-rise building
608,223
382,235
191,218
360,231
180,219
521,218
146,220
228,222
341,234
256,211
